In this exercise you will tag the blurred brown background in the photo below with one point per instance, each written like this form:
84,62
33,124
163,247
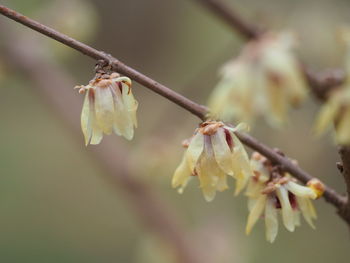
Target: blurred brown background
55,202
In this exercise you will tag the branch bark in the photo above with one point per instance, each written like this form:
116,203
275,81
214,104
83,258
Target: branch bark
199,110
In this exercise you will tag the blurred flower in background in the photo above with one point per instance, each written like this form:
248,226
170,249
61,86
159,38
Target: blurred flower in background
265,80
336,111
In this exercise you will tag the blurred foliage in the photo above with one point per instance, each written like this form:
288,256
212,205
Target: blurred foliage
55,203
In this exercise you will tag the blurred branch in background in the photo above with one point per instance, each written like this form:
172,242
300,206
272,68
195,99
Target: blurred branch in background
320,84
200,111
24,54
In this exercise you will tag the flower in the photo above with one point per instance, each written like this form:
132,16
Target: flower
108,106
212,153
264,80
336,111
271,191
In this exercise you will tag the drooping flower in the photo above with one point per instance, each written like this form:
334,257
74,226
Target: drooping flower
212,153
264,80
109,106
336,111
272,192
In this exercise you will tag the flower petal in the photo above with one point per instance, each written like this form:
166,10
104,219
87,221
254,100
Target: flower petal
255,213
194,150
104,109
130,103
307,209
222,152
85,120
208,171
241,165
182,175
287,211
122,120
326,116
271,221
300,190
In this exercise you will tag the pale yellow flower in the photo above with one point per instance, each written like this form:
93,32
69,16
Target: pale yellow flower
272,192
264,80
336,111
212,153
109,106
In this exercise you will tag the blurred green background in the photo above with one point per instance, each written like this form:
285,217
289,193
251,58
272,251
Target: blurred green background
55,202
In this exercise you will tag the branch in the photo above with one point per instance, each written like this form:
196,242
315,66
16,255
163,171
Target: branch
199,110
344,152
320,84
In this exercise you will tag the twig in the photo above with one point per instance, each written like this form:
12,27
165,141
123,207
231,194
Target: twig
199,110
344,152
150,208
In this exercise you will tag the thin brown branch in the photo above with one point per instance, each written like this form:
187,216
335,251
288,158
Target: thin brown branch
344,152
320,84
199,110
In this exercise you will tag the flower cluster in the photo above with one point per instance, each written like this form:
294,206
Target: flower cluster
271,191
212,153
109,106
264,80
